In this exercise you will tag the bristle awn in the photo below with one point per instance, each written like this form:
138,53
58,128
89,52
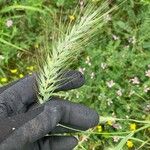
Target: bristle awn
67,45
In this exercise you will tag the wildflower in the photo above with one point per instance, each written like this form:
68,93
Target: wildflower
117,126
81,4
30,73
99,128
103,65
21,75
109,102
135,80
132,126
92,75
132,40
88,61
115,37
119,92
147,73
110,83
72,17
129,144
4,80
127,46
30,68
81,70
116,139
14,70
146,89
9,23
109,122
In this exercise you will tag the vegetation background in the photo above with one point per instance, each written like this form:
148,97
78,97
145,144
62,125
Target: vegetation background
116,65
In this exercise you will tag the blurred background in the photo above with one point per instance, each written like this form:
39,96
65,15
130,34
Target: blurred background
116,64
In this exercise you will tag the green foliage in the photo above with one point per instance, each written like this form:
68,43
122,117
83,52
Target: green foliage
115,65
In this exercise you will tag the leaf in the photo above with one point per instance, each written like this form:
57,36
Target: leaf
124,25
146,45
21,7
10,44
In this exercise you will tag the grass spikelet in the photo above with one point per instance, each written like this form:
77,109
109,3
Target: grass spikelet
68,46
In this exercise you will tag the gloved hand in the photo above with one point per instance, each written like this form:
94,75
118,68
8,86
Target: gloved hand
24,124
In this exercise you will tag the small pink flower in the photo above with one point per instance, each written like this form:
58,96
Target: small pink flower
9,23
147,73
81,4
81,70
146,89
116,139
110,83
115,37
117,126
132,40
119,92
103,65
135,80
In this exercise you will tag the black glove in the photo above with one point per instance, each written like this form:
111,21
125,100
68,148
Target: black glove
26,125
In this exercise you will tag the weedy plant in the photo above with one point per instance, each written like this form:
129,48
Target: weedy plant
68,46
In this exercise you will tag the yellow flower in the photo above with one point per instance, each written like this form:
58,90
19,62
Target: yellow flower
71,17
13,70
132,126
4,80
21,75
109,122
129,144
99,128
30,68
30,73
